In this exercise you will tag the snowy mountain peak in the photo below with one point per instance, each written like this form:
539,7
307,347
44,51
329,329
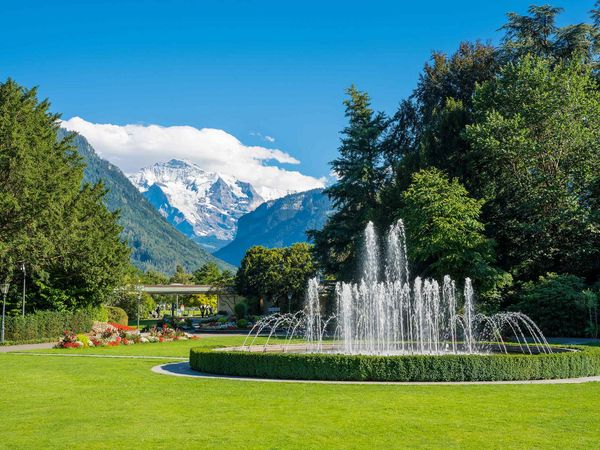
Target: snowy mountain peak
204,205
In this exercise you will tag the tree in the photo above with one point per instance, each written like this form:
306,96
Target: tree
355,195
275,273
445,236
49,219
557,304
210,274
181,276
426,131
538,35
536,155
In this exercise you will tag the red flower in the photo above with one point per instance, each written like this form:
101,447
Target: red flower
121,327
70,345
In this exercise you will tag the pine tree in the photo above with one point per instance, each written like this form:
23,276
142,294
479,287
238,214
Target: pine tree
355,195
537,34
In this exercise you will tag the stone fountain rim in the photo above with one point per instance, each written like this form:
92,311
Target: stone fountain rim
290,349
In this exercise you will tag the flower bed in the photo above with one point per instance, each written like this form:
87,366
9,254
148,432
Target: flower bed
112,335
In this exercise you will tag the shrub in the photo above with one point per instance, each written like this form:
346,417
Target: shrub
128,301
556,303
240,309
102,314
44,325
117,315
242,323
496,367
222,320
83,339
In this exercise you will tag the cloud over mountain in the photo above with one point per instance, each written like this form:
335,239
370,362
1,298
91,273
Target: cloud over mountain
132,147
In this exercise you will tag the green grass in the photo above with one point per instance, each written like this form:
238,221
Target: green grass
53,402
143,322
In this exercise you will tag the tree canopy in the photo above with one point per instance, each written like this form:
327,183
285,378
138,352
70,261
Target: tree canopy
355,195
275,273
50,221
493,162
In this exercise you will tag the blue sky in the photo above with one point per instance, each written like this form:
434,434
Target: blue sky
257,68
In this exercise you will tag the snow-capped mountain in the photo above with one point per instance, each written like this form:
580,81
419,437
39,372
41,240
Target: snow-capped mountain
203,205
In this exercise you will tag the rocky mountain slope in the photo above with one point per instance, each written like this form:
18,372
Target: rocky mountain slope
204,206
278,223
155,244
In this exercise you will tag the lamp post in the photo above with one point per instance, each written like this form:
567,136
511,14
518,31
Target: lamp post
289,301
138,289
24,278
4,288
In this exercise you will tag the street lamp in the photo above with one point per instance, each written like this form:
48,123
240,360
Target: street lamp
24,277
4,289
138,289
289,301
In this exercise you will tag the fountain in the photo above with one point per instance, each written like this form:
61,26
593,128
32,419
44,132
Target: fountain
385,314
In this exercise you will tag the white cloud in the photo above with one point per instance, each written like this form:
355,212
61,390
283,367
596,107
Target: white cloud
264,137
132,147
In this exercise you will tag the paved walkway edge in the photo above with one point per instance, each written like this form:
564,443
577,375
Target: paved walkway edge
23,347
183,369
96,355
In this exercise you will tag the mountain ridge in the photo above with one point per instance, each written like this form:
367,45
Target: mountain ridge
201,204
155,244
278,223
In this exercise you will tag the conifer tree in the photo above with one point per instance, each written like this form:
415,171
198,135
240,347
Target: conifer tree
57,226
355,195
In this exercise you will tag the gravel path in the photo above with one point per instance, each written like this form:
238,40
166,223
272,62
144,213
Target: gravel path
23,347
183,369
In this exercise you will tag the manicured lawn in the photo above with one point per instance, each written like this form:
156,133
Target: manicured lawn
143,322
56,402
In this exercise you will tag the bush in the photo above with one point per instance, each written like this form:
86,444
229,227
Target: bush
83,339
495,367
102,314
44,325
240,309
117,315
242,323
557,304
128,301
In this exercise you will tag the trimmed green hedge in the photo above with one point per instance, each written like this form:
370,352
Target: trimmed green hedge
493,367
48,325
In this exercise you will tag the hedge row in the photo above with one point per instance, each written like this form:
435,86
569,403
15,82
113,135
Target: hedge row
493,367
49,324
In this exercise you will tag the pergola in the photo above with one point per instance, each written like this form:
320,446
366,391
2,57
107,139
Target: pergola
226,295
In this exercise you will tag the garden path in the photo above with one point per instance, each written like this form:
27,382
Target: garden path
23,347
183,369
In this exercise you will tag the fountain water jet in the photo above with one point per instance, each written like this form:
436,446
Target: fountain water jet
382,314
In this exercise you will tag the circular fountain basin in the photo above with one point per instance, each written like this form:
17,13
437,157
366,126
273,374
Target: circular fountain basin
338,349
300,362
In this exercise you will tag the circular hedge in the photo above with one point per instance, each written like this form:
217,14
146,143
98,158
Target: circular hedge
582,362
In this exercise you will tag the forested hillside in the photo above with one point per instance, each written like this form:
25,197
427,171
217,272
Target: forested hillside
155,244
